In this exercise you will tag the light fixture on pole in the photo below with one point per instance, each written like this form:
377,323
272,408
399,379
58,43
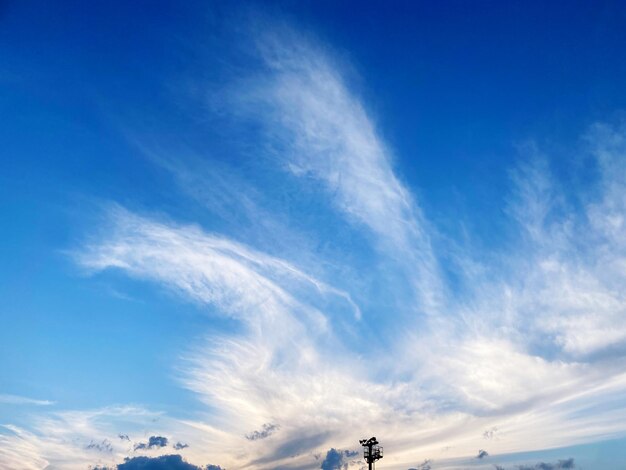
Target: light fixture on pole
372,451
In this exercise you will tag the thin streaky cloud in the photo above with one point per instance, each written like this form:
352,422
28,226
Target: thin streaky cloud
494,345
209,268
533,348
323,131
19,400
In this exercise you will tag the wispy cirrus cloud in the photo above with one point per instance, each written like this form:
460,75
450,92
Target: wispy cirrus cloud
262,379
90,439
19,400
321,130
568,284
210,269
71,439
531,348
514,354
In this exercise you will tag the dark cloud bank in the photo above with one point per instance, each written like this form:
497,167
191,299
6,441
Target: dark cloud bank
163,462
337,459
153,442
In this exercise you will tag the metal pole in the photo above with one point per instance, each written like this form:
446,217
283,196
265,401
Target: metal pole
372,451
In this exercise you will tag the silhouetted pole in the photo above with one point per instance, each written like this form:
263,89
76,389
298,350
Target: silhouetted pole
372,451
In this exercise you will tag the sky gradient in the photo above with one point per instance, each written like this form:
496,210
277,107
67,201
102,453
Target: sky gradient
247,235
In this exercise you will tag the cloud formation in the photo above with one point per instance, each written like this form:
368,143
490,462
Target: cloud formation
71,439
153,442
103,446
323,131
530,347
19,400
337,459
513,354
163,462
267,430
561,464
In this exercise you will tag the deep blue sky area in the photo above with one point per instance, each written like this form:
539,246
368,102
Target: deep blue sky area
174,113
477,79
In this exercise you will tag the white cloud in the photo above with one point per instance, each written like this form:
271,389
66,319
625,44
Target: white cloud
514,354
568,275
530,351
321,130
61,439
19,400
468,372
239,281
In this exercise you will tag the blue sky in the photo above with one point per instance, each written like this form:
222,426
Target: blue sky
264,231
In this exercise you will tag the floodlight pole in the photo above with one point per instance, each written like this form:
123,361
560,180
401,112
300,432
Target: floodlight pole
368,456
372,451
